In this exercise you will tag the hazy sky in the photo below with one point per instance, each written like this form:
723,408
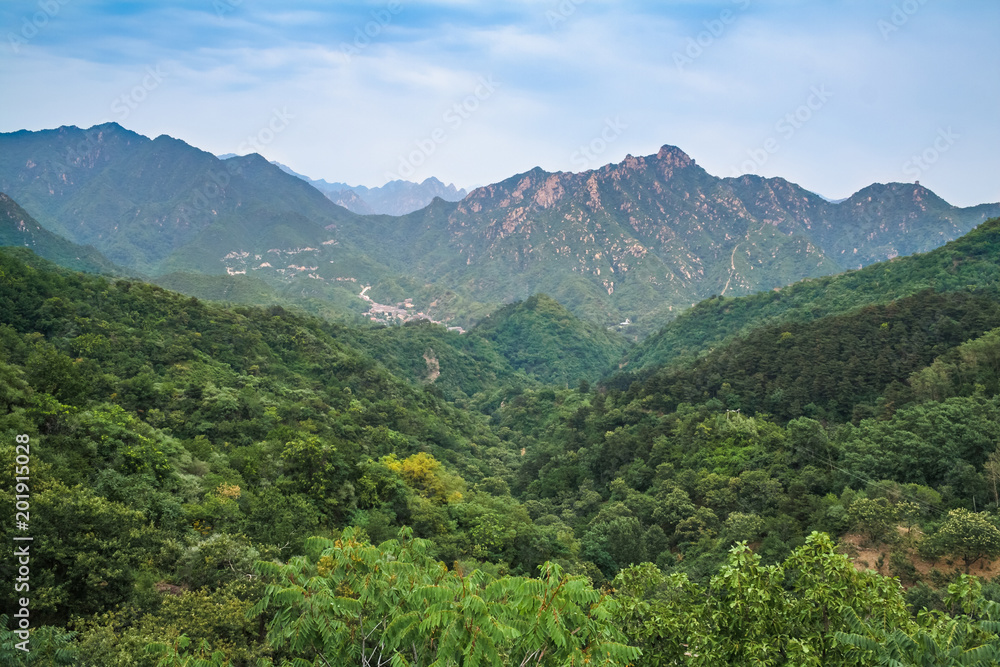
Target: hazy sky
833,95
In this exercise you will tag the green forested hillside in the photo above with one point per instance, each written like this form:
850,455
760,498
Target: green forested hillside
174,430
969,263
833,368
18,228
542,338
456,366
254,486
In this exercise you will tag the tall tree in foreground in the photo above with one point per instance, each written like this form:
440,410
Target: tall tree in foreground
348,602
969,639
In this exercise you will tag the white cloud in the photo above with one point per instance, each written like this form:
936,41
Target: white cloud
355,115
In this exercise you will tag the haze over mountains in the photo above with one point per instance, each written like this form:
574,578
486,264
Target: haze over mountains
394,198
640,240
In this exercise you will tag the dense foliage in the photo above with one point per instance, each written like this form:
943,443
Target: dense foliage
254,486
189,440
351,602
459,366
831,368
540,337
968,263
18,228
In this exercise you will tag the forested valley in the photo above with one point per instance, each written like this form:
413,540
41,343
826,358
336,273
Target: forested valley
801,477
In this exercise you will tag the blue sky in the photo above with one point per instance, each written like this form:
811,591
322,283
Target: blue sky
832,95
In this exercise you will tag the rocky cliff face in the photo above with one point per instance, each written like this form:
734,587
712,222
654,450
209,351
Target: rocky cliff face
652,234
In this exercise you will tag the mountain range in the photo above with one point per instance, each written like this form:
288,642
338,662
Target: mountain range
630,244
394,198
397,197
648,237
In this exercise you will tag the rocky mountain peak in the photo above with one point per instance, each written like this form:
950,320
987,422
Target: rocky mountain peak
674,156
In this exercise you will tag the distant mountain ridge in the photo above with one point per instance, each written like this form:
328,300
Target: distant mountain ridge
393,198
158,204
637,241
650,236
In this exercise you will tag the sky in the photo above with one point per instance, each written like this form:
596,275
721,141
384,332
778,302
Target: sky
832,95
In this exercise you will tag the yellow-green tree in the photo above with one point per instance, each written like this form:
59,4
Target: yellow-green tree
966,535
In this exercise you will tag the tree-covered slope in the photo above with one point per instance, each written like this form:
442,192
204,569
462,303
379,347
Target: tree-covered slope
18,228
833,368
223,486
542,338
206,423
970,263
457,366
858,425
